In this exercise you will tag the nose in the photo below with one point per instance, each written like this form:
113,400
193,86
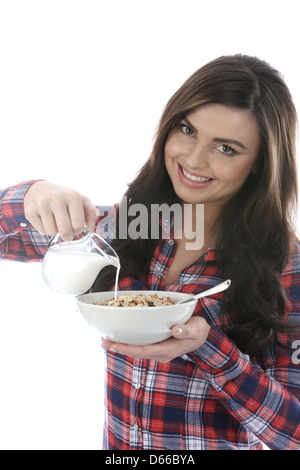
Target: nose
197,157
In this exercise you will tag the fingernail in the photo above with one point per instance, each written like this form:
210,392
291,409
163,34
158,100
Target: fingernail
178,331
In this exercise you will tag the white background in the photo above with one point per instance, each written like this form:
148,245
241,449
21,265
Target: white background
82,86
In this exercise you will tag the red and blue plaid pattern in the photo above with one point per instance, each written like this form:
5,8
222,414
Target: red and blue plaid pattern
212,398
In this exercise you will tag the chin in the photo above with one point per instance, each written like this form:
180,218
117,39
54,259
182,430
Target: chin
187,198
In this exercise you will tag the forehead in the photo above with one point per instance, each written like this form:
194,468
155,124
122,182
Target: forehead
231,122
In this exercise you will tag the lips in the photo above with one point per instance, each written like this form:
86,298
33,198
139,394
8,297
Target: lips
192,180
192,177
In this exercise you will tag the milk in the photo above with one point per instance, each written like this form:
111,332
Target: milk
70,271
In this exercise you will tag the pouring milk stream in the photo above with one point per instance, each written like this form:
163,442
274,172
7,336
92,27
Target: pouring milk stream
72,267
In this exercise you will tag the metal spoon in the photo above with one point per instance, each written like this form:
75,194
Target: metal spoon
214,290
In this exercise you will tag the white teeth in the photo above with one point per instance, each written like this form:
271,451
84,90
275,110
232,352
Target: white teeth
194,178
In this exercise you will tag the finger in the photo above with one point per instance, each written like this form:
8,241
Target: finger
76,214
49,223
106,344
161,351
54,215
43,220
128,350
37,223
91,214
32,214
62,222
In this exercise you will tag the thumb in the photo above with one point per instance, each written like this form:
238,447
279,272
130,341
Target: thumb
178,331
195,328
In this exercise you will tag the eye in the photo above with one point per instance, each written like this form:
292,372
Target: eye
186,129
226,149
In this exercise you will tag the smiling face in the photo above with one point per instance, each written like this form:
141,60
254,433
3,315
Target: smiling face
210,154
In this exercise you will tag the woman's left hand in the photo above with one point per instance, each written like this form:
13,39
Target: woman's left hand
185,338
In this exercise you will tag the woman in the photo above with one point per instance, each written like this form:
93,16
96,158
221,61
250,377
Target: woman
229,378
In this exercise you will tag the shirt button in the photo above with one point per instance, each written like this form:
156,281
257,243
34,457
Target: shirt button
159,272
23,224
135,427
137,385
171,242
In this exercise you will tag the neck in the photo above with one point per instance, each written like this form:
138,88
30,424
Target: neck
199,226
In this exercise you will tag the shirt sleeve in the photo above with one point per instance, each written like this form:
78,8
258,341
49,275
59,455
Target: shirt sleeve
18,239
265,399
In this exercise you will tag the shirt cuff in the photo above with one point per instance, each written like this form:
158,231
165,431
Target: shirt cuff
220,359
12,207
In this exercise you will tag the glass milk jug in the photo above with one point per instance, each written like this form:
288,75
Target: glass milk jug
72,267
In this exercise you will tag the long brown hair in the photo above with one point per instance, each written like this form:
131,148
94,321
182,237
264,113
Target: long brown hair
257,234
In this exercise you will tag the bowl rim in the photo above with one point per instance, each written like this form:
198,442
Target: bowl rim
132,292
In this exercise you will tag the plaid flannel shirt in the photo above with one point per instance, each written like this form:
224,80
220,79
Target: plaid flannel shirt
213,398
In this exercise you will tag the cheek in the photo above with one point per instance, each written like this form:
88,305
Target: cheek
233,173
170,155
172,148
169,165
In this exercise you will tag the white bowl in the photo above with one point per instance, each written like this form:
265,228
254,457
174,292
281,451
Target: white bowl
135,325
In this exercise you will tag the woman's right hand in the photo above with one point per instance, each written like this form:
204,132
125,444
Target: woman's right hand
52,209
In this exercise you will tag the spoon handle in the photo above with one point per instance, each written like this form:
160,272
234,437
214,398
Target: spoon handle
214,290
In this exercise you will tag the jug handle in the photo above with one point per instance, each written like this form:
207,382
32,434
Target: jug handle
55,239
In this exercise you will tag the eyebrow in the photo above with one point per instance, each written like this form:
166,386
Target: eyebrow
216,139
230,141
